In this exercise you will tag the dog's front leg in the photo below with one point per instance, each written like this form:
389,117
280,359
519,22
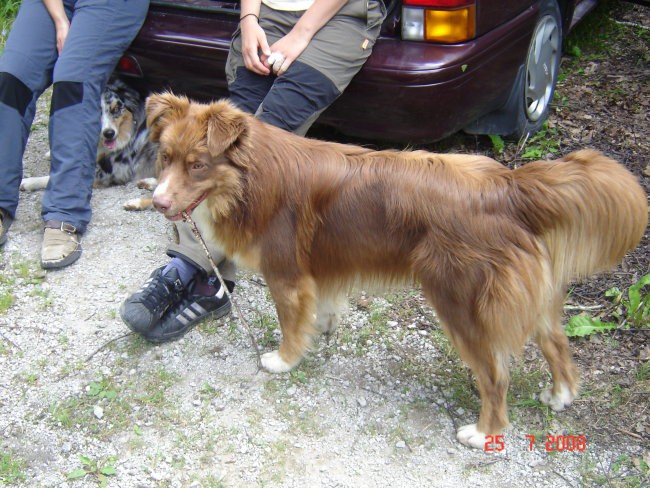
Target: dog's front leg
295,302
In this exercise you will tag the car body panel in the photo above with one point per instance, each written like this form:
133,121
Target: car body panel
407,91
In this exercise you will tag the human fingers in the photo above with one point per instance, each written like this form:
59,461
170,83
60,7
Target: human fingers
61,35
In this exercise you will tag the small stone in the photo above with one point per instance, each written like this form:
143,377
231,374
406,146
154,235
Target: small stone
66,447
537,463
291,391
362,401
400,445
392,323
196,402
98,411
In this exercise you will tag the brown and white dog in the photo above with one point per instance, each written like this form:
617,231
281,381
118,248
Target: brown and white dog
494,249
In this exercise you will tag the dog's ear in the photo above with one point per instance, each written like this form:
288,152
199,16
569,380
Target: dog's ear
162,109
225,125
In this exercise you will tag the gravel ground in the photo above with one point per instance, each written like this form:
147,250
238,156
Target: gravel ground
377,405
363,410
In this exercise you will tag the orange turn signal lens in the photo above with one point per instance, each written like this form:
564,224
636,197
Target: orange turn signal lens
449,26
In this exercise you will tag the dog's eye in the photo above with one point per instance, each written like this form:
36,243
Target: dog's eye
164,158
198,166
117,109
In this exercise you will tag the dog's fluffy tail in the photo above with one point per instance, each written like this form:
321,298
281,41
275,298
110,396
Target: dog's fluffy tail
588,210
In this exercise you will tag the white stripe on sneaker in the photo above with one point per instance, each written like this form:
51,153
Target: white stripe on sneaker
190,313
220,293
182,319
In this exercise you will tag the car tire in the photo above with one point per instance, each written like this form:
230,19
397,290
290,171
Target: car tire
540,70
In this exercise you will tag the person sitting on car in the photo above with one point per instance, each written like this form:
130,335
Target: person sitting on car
288,61
72,45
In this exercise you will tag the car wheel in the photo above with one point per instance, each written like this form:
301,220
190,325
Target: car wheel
541,69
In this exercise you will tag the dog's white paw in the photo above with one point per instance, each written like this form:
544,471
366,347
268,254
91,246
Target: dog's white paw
470,436
273,363
147,184
558,401
133,204
34,183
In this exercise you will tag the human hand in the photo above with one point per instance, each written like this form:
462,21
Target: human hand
62,29
286,51
253,41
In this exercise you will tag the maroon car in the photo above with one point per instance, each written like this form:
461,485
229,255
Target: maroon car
483,66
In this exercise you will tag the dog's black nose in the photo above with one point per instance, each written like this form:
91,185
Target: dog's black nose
109,134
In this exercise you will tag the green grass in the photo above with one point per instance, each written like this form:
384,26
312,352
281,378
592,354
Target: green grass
8,11
11,469
591,37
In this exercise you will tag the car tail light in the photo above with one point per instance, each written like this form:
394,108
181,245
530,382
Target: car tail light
128,65
444,21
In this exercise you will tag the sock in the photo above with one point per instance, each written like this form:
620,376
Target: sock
211,286
186,270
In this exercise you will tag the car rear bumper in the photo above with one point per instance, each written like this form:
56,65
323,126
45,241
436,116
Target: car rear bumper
407,91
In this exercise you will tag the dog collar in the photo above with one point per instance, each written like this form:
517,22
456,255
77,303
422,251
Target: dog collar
195,203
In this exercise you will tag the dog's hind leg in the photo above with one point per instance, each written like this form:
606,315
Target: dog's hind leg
329,310
295,302
555,346
477,340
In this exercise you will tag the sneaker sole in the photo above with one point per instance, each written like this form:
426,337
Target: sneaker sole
215,314
62,263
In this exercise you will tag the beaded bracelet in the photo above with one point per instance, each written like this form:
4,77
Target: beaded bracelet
244,16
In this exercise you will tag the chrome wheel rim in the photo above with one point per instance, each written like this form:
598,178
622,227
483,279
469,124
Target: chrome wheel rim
541,67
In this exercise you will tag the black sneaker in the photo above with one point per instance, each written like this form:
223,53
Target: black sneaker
5,223
144,309
181,318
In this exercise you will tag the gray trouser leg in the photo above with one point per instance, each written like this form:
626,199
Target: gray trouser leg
321,73
190,249
25,71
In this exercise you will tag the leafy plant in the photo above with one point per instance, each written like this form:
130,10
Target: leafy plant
630,311
498,143
101,389
98,469
541,144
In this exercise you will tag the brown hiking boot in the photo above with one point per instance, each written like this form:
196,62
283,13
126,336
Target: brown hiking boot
61,245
